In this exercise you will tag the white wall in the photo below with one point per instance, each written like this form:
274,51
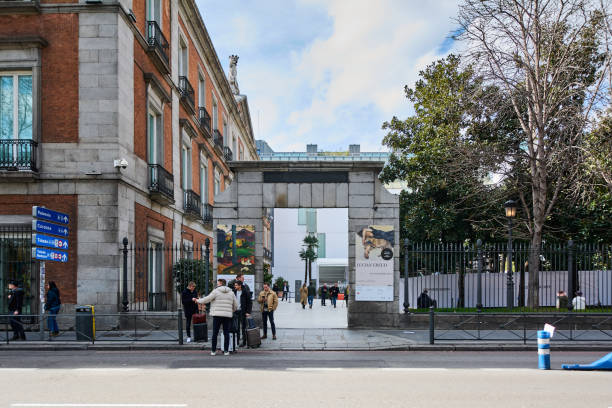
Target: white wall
288,236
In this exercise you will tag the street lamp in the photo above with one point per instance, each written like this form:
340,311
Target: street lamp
510,207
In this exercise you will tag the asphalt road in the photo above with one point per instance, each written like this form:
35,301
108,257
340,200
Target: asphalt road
300,379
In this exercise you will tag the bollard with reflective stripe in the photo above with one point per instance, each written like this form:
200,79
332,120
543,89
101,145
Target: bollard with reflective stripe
543,350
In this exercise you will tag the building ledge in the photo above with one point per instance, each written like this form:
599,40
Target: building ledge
19,7
21,42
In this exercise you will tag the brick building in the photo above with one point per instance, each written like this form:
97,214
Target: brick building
87,87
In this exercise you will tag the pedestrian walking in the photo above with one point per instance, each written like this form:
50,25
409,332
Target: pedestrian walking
245,306
285,291
324,291
15,305
346,295
334,291
303,296
53,304
189,306
312,291
268,301
223,304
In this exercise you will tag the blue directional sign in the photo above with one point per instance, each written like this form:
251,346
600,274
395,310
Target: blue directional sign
49,215
49,241
47,227
44,254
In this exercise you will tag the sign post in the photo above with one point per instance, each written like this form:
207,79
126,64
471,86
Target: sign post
41,244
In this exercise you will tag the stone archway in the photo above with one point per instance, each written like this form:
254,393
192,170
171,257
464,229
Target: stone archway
316,184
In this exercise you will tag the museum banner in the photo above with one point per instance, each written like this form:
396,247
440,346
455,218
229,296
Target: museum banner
236,253
374,263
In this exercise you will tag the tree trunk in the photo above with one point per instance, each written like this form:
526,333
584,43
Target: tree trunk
306,272
534,268
309,271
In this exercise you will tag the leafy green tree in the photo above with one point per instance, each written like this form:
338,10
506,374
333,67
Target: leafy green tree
309,254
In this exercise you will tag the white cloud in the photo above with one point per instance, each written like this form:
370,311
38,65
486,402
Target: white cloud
330,72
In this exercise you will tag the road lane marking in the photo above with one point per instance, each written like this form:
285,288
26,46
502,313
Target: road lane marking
315,369
99,405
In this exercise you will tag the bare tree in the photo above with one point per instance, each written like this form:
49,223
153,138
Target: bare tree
549,57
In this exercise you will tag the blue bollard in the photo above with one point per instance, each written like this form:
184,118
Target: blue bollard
543,350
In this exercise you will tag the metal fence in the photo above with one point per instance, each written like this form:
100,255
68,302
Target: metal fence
468,277
16,265
153,275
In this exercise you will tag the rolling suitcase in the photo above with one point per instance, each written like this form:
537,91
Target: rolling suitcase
200,332
253,337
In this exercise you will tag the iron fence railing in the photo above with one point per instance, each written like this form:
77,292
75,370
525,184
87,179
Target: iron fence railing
161,181
16,264
207,213
218,138
205,120
459,277
18,155
192,204
187,92
154,275
227,154
157,40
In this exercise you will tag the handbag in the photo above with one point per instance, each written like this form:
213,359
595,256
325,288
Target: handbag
198,318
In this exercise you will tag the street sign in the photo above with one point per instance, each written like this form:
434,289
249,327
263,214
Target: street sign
49,215
44,254
47,227
49,241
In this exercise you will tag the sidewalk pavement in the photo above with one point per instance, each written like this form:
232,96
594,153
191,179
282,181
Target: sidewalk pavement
320,340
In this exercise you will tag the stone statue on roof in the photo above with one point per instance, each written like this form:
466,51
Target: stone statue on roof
233,82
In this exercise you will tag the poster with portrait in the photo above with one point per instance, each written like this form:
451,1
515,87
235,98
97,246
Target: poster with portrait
374,263
236,252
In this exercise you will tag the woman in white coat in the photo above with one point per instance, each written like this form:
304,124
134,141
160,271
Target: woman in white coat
223,304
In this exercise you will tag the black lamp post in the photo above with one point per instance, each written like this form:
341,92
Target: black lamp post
510,207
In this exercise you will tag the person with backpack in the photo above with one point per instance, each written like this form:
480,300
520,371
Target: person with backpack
52,306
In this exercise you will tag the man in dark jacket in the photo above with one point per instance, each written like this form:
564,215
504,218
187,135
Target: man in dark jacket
245,307
333,294
189,306
312,292
424,301
323,294
15,298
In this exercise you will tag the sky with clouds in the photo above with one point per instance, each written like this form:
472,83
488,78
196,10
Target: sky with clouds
328,72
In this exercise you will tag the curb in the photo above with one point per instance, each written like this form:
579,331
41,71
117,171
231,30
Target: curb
406,348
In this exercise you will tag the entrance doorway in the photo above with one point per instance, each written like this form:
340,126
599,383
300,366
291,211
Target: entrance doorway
327,231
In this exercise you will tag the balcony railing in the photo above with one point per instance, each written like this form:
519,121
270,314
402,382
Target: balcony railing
227,153
161,182
205,120
157,41
267,253
218,137
192,204
18,155
207,213
187,93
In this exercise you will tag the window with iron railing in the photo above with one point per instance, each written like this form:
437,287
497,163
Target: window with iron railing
157,41
187,92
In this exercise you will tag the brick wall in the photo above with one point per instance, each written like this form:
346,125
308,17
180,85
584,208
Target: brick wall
60,69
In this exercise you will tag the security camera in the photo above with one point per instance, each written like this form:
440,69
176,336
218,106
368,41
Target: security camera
120,163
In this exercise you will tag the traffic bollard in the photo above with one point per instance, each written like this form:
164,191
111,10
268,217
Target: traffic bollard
543,350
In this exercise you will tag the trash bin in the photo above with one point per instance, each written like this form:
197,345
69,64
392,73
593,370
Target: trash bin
85,323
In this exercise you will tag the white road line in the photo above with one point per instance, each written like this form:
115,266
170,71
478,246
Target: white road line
315,369
98,405
413,369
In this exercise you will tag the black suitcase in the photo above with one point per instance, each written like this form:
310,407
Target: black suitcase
200,332
253,337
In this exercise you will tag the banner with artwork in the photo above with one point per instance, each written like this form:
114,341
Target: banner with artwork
374,263
235,249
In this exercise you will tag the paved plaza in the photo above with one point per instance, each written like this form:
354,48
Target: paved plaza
290,315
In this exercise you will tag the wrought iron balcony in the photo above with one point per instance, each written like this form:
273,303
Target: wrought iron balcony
227,153
161,184
187,93
218,137
207,213
158,43
192,205
18,155
267,253
205,121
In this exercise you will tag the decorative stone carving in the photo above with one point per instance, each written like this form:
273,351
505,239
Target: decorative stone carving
233,82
